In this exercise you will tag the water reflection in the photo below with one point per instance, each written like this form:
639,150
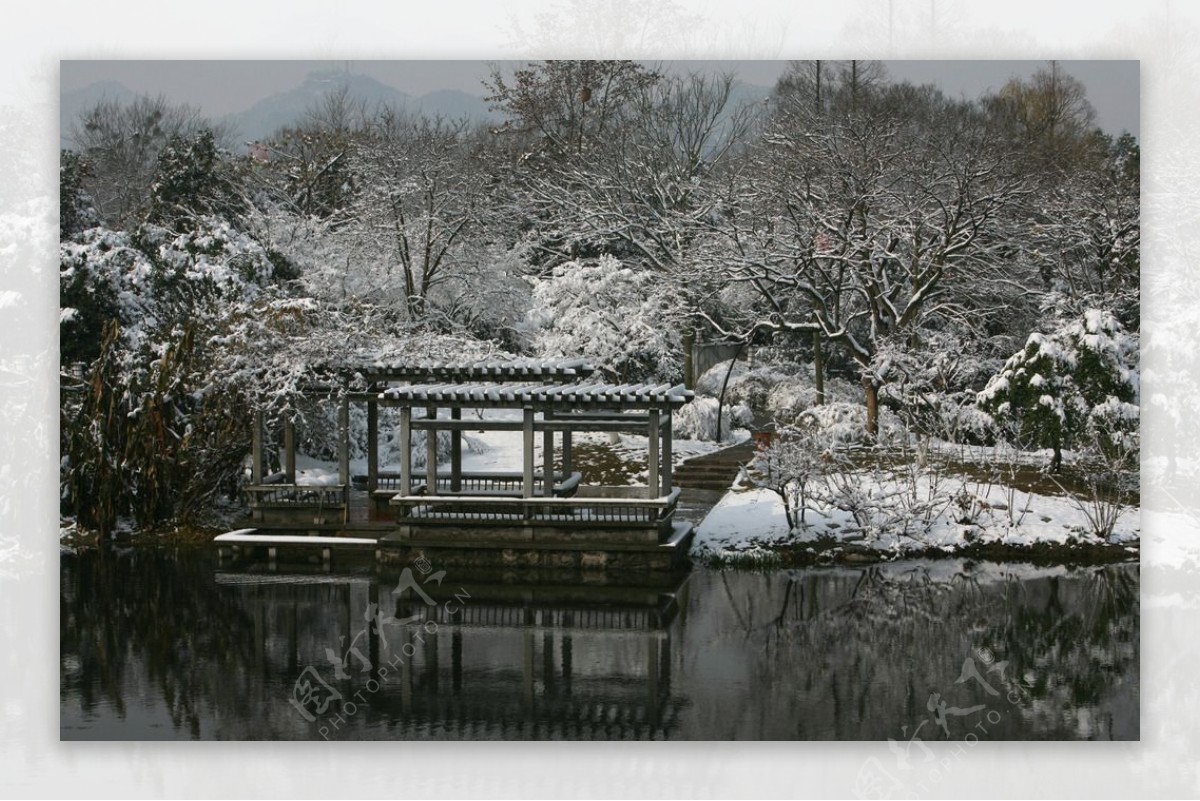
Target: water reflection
161,644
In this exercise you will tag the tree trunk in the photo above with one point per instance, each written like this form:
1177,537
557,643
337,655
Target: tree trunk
689,368
871,392
818,367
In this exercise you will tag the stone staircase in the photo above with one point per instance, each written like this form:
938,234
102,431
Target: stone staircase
713,472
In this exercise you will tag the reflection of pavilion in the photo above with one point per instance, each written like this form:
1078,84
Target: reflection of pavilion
485,660
543,512
543,662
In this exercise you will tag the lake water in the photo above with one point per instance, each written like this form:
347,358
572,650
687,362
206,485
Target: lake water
169,644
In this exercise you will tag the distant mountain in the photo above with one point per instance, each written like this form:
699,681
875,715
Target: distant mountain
271,113
286,108
72,104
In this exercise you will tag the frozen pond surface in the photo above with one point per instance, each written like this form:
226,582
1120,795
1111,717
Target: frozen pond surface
167,644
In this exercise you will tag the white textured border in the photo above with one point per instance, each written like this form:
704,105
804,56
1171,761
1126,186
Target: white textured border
32,39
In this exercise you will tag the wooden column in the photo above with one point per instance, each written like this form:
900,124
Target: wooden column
431,453
344,440
406,450
373,629
547,458
406,671
372,445
527,683
566,452
256,450
527,482
455,453
652,480
652,672
667,457
289,451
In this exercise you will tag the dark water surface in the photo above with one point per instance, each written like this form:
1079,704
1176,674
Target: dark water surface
167,644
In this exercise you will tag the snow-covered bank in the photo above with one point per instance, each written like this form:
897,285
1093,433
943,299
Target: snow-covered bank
751,525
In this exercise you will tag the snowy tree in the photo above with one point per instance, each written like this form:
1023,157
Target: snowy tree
1050,119
872,226
192,179
652,188
1078,386
1083,235
417,204
121,144
305,167
609,313
76,210
564,108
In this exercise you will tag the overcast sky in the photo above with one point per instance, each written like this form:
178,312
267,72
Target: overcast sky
222,87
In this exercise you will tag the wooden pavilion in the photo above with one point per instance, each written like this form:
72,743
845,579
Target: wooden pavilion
539,513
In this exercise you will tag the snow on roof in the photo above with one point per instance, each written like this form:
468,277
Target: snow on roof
518,395
484,370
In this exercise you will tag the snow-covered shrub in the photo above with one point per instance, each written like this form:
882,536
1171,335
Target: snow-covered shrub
789,466
1046,393
1114,434
845,423
160,427
787,400
709,383
870,496
950,417
617,316
779,393
749,386
698,419
960,420
153,280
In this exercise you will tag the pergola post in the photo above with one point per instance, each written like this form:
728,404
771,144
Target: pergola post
547,457
566,452
456,453
406,450
667,457
344,440
527,477
431,453
652,481
372,445
289,451
256,449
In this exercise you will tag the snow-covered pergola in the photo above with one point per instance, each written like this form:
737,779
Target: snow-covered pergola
336,380
547,409
556,400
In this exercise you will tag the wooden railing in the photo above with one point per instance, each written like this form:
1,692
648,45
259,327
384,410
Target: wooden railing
578,511
296,503
490,484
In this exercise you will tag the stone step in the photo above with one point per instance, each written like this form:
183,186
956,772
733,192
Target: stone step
709,468
713,472
718,486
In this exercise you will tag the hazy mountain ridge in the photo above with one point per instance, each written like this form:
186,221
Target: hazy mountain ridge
269,114
72,104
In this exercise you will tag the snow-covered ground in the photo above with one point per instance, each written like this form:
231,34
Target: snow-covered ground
749,522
